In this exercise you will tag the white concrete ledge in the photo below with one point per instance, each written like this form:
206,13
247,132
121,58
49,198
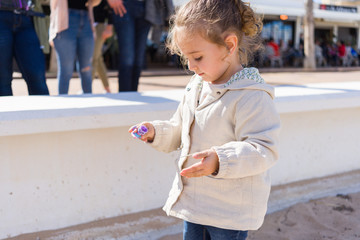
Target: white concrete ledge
317,97
41,114
67,160
38,114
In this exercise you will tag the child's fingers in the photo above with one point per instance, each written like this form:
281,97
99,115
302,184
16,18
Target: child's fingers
132,128
149,135
134,131
195,170
200,155
144,131
144,137
208,164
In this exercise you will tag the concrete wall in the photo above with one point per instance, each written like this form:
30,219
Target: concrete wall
67,160
320,132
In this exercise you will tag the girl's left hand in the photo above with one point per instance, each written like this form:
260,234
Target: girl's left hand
209,164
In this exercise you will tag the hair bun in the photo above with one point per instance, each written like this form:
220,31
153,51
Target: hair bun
251,24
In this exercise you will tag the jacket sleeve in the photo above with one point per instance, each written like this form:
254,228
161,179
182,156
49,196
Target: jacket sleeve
257,125
168,133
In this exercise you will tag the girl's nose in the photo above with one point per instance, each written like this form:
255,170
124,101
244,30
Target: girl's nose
191,65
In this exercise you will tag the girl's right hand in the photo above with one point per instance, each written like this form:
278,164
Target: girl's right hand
147,137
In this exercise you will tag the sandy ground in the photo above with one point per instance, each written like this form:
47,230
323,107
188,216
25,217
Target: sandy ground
335,218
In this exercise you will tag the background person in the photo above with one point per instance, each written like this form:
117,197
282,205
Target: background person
104,30
319,57
19,40
341,53
132,22
72,34
276,57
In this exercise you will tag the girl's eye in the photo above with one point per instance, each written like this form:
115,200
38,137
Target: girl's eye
198,59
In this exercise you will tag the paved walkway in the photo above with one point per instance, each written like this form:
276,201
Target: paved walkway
165,79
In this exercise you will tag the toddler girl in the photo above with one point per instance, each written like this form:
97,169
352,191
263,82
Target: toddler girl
226,124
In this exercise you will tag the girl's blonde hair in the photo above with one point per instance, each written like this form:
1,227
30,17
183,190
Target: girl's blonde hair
214,18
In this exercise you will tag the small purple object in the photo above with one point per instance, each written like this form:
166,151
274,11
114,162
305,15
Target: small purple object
142,130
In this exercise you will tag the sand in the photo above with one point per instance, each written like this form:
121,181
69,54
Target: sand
336,218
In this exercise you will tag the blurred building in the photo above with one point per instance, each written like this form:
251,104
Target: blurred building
283,20
334,20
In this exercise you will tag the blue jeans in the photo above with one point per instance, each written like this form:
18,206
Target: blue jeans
132,30
18,39
75,44
194,231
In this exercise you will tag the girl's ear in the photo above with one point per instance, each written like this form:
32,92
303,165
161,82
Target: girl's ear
231,42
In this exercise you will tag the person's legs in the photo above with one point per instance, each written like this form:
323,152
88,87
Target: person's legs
125,31
29,56
6,50
98,60
142,28
85,49
99,28
65,47
194,231
132,30
102,71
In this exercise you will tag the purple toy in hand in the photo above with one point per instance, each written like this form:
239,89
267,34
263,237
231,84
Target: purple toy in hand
141,130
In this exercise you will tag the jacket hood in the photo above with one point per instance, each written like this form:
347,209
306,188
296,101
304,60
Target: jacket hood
250,79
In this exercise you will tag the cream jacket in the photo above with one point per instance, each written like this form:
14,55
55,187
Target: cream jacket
59,17
241,123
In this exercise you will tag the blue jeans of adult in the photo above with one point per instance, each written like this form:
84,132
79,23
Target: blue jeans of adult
75,44
132,30
194,231
18,39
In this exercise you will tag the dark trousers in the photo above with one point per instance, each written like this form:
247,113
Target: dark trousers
132,30
18,39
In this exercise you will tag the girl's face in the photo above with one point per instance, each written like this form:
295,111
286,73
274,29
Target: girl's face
211,61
